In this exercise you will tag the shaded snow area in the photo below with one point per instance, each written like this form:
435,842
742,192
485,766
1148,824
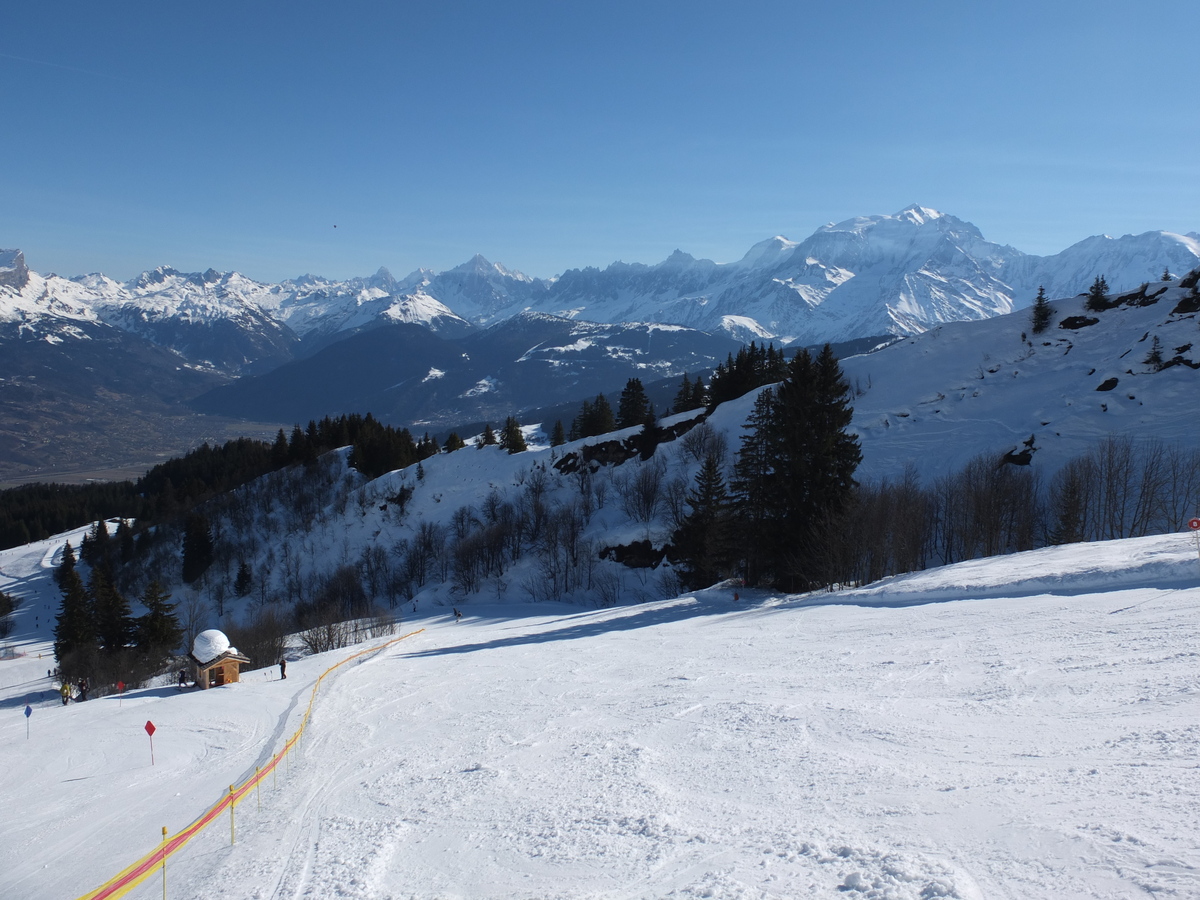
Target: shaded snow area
1021,727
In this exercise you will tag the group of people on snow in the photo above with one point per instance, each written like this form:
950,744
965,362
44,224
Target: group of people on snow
83,686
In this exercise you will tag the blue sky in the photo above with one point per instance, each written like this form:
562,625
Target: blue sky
554,135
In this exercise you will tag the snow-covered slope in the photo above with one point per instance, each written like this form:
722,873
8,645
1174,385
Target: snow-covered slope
1016,727
937,399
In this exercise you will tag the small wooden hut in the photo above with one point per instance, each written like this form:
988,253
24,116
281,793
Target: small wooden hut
214,661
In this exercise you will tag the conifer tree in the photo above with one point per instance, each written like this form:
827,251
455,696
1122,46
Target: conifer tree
633,405
488,439
114,621
125,541
197,547
1154,358
558,437
582,418
795,471
602,417
1166,275
1042,312
683,398
244,581
704,542
74,628
66,567
158,631
298,449
754,494
279,451
427,447
453,442
1097,299
511,437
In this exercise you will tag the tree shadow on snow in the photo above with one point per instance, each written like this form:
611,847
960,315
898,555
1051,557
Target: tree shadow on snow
592,624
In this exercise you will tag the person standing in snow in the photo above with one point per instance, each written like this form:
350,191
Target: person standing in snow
283,670
65,690
83,689
182,679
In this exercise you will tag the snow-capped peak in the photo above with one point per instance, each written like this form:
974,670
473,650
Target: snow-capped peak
918,215
768,253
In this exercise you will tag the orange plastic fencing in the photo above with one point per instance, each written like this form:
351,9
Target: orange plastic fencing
133,875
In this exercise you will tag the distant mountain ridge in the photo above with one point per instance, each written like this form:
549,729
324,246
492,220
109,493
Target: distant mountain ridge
899,274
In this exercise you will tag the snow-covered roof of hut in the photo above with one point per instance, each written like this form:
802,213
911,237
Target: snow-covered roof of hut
208,645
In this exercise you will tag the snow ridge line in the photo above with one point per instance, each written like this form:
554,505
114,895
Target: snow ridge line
136,873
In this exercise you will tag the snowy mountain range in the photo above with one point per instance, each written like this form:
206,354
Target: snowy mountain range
900,274
82,353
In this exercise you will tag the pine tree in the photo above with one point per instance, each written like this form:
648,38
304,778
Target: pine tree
488,438
158,631
114,621
558,437
602,417
582,418
632,406
1166,275
453,442
66,567
683,399
1154,358
754,491
704,541
244,581
511,437
1097,298
795,471
297,446
1042,312
279,451
96,545
197,547
125,541
74,628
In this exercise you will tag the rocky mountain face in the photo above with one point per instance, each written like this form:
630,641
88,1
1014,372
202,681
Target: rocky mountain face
403,374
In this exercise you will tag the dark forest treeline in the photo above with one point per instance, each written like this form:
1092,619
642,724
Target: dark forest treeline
36,511
1120,488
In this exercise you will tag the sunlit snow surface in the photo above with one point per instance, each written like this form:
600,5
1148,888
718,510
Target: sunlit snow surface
1023,727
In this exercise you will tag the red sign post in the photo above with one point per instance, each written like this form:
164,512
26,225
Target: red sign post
150,729
1194,524
120,692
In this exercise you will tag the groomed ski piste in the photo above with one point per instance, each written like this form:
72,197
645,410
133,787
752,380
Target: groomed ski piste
1017,727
